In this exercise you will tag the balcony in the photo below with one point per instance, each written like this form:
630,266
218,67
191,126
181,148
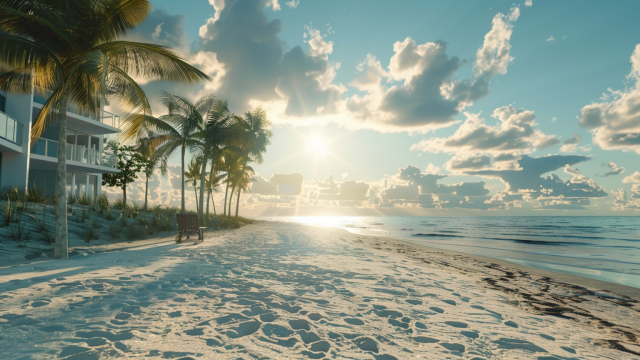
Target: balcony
11,133
79,158
112,121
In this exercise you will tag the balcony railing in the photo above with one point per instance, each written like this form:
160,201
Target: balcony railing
105,117
49,148
10,129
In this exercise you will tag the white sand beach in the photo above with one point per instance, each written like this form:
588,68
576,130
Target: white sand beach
286,291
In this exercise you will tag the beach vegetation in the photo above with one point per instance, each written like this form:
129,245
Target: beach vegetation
7,212
77,56
130,162
19,233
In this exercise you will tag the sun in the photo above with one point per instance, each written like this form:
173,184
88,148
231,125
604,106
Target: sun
318,146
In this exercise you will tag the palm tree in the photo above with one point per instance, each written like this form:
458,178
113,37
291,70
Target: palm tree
242,181
212,183
178,128
258,134
151,161
193,175
257,137
73,48
222,130
232,160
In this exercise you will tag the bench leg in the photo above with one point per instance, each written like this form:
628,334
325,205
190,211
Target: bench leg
201,234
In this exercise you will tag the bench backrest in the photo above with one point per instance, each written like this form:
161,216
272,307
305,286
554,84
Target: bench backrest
187,222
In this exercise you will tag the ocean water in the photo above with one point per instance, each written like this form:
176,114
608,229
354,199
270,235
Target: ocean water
603,248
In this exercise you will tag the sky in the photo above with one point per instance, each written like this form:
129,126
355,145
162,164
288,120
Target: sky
420,107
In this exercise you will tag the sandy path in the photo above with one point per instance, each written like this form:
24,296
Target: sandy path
275,290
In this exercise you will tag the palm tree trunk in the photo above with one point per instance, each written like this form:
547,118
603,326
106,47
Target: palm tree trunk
146,191
208,199
124,194
182,174
231,199
238,202
226,192
195,190
203,172
214,206
61,248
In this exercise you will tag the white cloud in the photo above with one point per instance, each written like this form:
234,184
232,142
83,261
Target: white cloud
424,93
474,140
615,169
571,144
528,180
615,122
293,4
528,3
432,169
551,39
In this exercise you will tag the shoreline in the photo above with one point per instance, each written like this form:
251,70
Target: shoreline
628,291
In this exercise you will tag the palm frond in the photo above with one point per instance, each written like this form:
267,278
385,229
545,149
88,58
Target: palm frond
150,62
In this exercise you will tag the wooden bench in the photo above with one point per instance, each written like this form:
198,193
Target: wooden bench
188,225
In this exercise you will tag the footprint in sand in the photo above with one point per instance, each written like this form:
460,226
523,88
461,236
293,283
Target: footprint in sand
457,324
366,344
320,346
450,302
470,334
506,343
511,324
122,316
195,332
40,303
353,321
244,329
315,316
175,314
299,324
414,302
269,317
425,340
436,309
276,330
77,350
93,342
308,337
453,347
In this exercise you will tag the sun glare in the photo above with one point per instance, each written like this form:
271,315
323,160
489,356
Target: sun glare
318,146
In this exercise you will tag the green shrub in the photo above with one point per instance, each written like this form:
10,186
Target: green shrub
85,200
109,216
7,212
134,209
123,219
135,232
91,234
118,204
19,234
103,203
72,200
34,195
115,231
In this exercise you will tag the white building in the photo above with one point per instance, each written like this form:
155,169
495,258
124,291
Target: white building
25,164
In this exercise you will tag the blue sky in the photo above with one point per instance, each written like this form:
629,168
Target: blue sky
561,57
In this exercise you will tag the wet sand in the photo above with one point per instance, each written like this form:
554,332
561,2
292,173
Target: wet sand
279,291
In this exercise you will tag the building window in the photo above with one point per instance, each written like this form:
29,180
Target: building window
82,184
3,101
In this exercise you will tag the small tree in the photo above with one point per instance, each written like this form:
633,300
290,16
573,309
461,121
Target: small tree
130,163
